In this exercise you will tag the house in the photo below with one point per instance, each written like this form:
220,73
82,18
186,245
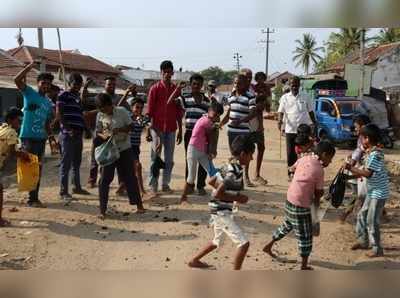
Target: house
73,61
279,77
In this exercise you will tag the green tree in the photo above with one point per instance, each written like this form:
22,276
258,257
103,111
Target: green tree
345,41
218,75
307,52
387,35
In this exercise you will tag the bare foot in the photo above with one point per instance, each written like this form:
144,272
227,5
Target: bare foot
4,223
198,264
358,246
184,200
307,268
140,210
268,249
152,195
374,255
101,216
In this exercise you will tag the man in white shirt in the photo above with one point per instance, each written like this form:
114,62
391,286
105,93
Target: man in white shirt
296,109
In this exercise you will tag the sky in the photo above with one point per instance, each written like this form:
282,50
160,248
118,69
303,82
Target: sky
192,49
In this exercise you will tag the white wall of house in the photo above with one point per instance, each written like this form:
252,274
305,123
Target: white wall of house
387,73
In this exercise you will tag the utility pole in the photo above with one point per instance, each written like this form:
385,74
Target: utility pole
267,42
237,58
40,41
362,76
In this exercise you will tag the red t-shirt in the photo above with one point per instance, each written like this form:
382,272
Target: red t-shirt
164,116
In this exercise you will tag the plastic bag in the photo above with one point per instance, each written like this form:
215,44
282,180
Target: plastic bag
337,189
28,173
107,153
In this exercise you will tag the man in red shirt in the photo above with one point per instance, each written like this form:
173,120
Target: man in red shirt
166,118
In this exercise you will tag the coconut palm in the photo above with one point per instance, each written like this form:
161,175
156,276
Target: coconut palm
345,41
307,52
387,35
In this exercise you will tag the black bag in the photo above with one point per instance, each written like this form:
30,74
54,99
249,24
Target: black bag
337,189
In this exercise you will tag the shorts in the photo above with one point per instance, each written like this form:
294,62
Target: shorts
135,153
224,224
7,173
258,137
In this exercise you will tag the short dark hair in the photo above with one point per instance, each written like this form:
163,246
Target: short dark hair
325,147
110,78
167,64
372,132
240,76
103,100
261,98
362,119
302,139
217,107
242,144
75,78
12,113
55,88
260,75
304,129
196,77
295,78
45,76
137,100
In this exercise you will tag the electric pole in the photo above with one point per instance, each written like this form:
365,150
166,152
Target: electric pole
40,41
362,68
267,41
237,58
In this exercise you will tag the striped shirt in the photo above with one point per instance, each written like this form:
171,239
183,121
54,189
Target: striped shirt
136,134
240,107
231,175
193,110
70,104
378,183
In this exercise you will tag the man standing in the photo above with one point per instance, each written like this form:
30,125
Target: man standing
70,114
296,109
109,88
38,112
195,105
166,118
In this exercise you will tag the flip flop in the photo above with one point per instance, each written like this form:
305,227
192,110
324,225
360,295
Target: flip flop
261,181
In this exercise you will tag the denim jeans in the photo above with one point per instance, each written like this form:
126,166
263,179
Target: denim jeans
36,147
71,156
368,221
167,140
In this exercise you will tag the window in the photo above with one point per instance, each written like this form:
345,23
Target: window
327,108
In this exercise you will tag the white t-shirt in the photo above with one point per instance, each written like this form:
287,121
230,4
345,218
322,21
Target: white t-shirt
296,110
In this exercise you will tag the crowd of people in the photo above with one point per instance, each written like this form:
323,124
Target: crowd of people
170,106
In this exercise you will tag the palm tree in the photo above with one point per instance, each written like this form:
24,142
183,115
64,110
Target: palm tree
345,41
307,52
387,35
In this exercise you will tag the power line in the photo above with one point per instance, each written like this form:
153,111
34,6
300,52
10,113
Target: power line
237,58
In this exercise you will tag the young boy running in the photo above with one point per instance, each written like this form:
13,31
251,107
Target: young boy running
227,184
305,189
199,145
368,218
8,143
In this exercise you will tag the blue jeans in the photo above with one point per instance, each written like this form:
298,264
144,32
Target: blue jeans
167,140
71,156
368,221
36,147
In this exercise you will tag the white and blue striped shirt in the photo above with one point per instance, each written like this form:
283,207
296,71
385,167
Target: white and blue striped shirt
378,183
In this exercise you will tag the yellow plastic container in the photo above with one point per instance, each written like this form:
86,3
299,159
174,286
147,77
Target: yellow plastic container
28,173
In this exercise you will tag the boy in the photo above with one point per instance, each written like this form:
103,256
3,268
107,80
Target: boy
305,189
38,111
8,143
227,184
368,218
69,113
257,134
139,124
356,158
199,147
115,122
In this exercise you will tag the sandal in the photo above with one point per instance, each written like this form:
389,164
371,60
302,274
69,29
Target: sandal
261,180
249,183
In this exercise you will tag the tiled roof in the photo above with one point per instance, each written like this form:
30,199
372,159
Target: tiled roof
9,66
71,60
371,55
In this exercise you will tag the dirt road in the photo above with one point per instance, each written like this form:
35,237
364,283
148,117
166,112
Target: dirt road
72,238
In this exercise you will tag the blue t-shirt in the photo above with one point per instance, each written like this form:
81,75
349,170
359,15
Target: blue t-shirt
37,111
378,183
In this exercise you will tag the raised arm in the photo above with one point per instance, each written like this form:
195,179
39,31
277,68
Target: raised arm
130,90
20,78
